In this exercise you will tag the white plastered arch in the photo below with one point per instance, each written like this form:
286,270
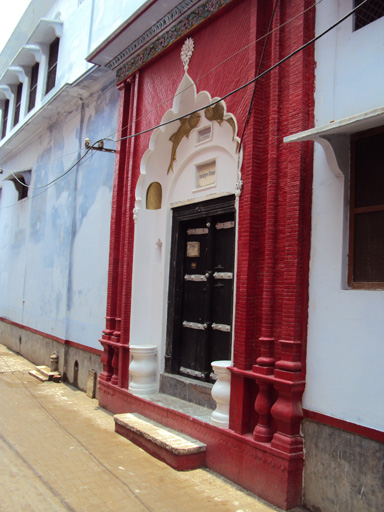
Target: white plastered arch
152,245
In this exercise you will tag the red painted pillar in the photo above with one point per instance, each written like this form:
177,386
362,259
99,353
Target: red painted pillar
108,358
132,171
242,390
296,162
272,137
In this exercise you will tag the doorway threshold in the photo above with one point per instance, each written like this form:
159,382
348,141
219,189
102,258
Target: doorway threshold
179,405
187,389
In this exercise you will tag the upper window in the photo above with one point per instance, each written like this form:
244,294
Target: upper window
370,11
19,92
52,64
366,248
33,86
5,118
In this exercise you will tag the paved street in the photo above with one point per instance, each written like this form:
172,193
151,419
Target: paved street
59,452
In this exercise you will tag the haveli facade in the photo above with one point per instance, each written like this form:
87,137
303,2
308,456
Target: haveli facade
230,239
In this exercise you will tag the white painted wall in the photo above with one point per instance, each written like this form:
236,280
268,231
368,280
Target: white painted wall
85,24
54,245
345,355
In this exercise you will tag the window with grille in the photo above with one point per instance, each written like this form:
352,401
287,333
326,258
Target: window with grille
52,64
33,86
366,248
369,12
19,92
5,118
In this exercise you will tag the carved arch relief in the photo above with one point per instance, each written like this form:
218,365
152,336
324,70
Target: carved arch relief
174,146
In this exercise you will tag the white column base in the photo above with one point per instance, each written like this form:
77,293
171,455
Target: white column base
221,393
142,369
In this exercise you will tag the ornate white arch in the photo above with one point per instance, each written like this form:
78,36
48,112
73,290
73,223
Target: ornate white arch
173,144
200,133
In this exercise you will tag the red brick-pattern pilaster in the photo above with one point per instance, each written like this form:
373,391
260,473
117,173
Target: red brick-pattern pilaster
132,170
275,208
115,237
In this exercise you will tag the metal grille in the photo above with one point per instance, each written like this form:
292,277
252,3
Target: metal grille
369,12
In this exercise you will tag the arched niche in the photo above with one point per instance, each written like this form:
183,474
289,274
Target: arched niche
154,196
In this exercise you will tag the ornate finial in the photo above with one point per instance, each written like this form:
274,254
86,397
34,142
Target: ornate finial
186,52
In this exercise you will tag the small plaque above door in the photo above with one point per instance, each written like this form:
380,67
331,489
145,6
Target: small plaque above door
193,249
206,174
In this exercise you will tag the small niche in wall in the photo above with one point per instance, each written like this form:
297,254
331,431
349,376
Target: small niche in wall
206,174
154,196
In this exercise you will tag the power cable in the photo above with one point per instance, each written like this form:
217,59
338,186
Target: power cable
270,31
219,65
238,89
250,82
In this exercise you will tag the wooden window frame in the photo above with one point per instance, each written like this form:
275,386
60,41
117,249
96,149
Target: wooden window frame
18,97
5,118
353,211
53,58
33,86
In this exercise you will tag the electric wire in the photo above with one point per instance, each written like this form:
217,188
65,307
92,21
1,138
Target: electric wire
108,138
48,186
218,100
247,84
218,66
55,179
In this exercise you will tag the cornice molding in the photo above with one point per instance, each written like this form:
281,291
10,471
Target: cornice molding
170,28
158,27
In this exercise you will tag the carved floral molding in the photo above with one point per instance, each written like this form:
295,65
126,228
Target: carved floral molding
175,31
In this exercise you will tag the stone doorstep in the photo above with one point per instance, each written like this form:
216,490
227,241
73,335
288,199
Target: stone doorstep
178,450
44,373
38,375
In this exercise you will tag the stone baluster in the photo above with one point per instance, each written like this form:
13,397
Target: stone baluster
265,366
287,410
263,404
221,392
106,361
115,366
142,369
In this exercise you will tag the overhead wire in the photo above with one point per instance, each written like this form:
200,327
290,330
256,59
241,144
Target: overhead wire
217,100
250,82
108,138
266,35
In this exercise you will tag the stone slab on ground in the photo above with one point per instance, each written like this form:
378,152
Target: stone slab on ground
178,450
39,376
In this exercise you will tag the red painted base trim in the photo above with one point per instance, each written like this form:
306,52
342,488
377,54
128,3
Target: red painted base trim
179,462
53,338
267,472
371,433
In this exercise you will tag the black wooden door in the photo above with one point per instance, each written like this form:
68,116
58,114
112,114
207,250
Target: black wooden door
204,269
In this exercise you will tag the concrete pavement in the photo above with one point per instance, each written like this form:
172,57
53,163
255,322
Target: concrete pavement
59,452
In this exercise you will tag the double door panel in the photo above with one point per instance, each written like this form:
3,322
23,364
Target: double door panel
206,294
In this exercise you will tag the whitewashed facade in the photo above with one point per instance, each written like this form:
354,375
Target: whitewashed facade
55,242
